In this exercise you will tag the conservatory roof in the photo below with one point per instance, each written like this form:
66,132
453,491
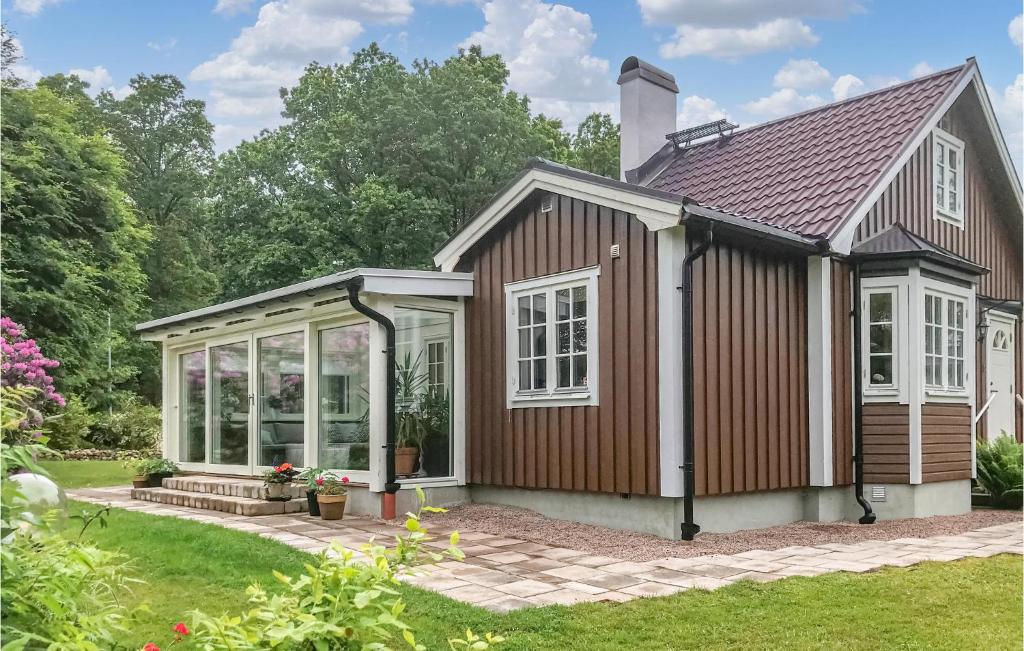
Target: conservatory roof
310,294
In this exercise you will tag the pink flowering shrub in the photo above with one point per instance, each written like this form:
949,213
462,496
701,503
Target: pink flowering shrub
22,364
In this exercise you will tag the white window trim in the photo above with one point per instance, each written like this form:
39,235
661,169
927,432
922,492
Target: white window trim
551,396
955,217
946,291
899,288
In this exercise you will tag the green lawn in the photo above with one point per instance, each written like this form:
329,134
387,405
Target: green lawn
89,474
967,604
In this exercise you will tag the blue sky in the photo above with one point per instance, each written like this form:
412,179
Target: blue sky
749,60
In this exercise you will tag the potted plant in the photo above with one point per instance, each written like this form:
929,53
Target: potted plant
277,481
310,476
331,495
410,427
150,473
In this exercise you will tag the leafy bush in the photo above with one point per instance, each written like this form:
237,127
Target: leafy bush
57,593
340,602
1001,470
70,429
154,467
133,425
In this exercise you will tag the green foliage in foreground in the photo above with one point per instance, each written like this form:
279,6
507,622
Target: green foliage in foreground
966,604
1001,470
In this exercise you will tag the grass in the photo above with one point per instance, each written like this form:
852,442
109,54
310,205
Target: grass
974,603
88,474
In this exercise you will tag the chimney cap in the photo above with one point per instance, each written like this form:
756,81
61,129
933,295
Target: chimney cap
634,67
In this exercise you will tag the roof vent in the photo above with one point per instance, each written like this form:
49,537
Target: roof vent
546,204
686,136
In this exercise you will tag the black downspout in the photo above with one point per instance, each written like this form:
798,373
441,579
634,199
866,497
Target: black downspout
390,485
858,407
689,528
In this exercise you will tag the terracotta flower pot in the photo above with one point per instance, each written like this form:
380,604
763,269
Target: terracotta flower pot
278,493
405,460
332,507
140,481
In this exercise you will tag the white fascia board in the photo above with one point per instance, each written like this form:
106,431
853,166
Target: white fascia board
819,368
842,241
655,213
417,283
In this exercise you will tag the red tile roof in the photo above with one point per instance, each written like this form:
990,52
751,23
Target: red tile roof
805,173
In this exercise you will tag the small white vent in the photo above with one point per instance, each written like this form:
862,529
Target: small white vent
615,251
546,204
878,493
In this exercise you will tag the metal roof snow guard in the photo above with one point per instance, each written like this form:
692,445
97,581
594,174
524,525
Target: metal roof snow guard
684,137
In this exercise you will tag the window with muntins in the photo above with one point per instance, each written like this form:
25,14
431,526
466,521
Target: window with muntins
881,351
948,175
551,330
944,346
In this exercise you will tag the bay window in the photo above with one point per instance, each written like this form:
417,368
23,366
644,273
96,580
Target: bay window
944,342
551,333
881,342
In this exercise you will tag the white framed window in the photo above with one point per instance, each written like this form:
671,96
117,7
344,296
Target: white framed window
883,363
948,177
437,366
945,348
551,336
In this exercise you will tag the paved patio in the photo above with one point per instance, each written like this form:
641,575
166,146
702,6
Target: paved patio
504,574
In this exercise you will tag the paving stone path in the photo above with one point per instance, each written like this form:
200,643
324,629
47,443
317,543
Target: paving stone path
504,574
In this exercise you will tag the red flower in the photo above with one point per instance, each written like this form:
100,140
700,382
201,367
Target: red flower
150,647
180,628
319,481
284,467
344,480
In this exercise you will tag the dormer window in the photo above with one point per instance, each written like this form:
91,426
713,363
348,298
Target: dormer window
948,157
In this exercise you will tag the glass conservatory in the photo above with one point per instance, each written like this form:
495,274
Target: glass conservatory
299,374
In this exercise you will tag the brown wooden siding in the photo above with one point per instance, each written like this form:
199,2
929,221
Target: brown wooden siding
987,237
750,361
945,442
886,443
612,447
842,375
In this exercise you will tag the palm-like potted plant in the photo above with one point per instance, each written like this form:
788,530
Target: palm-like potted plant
150,473
410,428
277,481
331,495
310,477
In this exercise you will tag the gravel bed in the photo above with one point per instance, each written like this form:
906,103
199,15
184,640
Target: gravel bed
531,526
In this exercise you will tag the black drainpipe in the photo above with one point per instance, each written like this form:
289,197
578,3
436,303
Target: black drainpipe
689,528
858,407
390,485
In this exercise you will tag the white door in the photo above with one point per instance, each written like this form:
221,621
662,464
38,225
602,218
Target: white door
1001,389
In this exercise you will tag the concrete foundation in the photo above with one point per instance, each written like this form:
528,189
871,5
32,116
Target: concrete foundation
919,500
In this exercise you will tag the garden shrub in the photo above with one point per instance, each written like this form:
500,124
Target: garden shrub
1001,470
70,429
57,593
133,425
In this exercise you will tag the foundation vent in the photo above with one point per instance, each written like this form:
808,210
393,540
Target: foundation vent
878,493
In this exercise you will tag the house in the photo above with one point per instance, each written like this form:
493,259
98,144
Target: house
815,318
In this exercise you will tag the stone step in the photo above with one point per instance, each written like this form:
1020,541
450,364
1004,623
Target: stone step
230,486
215,502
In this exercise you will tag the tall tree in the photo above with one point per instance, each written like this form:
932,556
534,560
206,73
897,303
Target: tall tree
168,144
71,242
595,147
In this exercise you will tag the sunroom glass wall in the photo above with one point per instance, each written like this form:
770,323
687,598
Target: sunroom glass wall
344,408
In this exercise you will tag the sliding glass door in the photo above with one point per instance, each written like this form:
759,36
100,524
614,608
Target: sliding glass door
230,403
282,399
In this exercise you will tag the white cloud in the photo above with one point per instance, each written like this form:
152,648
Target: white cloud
737,13
921,69
287,35
1009,108
232,7
1016,30
97,77
547,48
802,74
732,43
162,46
32,7
699,110
22,70
782,102
847,86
